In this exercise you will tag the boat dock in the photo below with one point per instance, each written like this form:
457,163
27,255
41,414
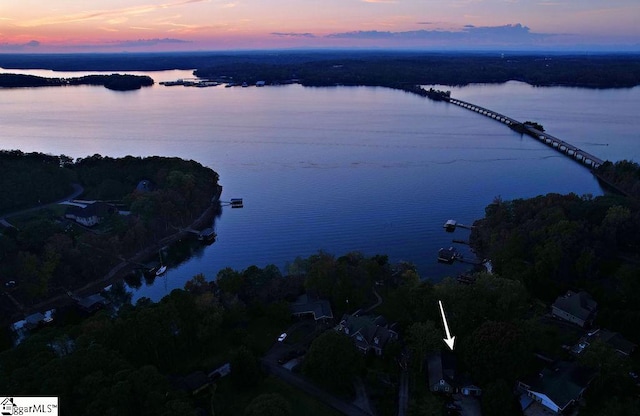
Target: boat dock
451,225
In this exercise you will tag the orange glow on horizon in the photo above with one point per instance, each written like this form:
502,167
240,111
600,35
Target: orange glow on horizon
42,25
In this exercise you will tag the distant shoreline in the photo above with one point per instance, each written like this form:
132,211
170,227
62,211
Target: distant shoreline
364,68
116,82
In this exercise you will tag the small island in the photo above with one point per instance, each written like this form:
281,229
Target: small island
116,82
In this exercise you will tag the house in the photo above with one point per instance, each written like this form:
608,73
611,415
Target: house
34,321
556,388
91,214
578,308
92,303
192,383
614,340
144,186
441,372
310,305
442,377
367,332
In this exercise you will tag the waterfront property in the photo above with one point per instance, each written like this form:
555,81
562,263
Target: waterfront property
89,214
368,333
311,305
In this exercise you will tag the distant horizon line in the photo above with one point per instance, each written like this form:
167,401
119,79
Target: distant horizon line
555,51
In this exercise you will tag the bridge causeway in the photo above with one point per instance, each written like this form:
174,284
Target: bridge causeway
579,155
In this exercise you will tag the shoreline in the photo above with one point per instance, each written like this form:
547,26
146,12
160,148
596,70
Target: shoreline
117,272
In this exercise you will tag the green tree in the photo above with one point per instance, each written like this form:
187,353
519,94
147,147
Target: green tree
426,404
245,370
497,350
613,371
333,361
423,338
268,404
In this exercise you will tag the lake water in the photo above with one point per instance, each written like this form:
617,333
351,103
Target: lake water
336,169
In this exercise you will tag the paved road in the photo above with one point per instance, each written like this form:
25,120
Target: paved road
270,363
77,191
403,393
311,389
378,303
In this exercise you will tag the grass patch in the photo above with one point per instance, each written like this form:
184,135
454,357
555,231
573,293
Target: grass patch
49,213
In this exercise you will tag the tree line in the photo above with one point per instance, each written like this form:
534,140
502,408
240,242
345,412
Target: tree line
403,70
46,256
118,82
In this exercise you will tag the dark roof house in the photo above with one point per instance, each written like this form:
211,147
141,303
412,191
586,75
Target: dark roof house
192,383
616,341
145,185
367,332
578,308
442,376
310,305
558,387
91,214
613,339
441,372
92,303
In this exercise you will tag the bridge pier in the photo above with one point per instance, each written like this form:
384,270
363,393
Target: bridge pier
571,151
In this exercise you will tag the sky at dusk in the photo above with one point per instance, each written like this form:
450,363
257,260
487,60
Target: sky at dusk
180,25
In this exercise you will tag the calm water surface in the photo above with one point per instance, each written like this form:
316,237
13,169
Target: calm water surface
335,169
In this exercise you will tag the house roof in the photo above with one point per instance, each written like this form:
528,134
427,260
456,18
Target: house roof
581,304
34,319
92,301
441,366
616,341
563,383
307,303
97,209
367,331
144,185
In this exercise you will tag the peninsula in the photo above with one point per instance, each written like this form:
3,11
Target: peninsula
129,208
117,82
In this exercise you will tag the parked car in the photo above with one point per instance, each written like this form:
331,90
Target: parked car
282,337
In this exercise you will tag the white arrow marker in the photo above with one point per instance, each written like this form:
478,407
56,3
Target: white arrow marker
449,340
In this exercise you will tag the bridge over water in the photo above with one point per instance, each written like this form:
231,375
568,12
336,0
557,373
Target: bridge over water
579,155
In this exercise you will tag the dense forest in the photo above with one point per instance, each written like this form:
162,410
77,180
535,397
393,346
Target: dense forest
118,82
138,359
624,175
132,359
45,254
376,68
49,179
401,71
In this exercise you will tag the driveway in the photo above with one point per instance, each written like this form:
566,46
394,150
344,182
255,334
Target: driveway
77,191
